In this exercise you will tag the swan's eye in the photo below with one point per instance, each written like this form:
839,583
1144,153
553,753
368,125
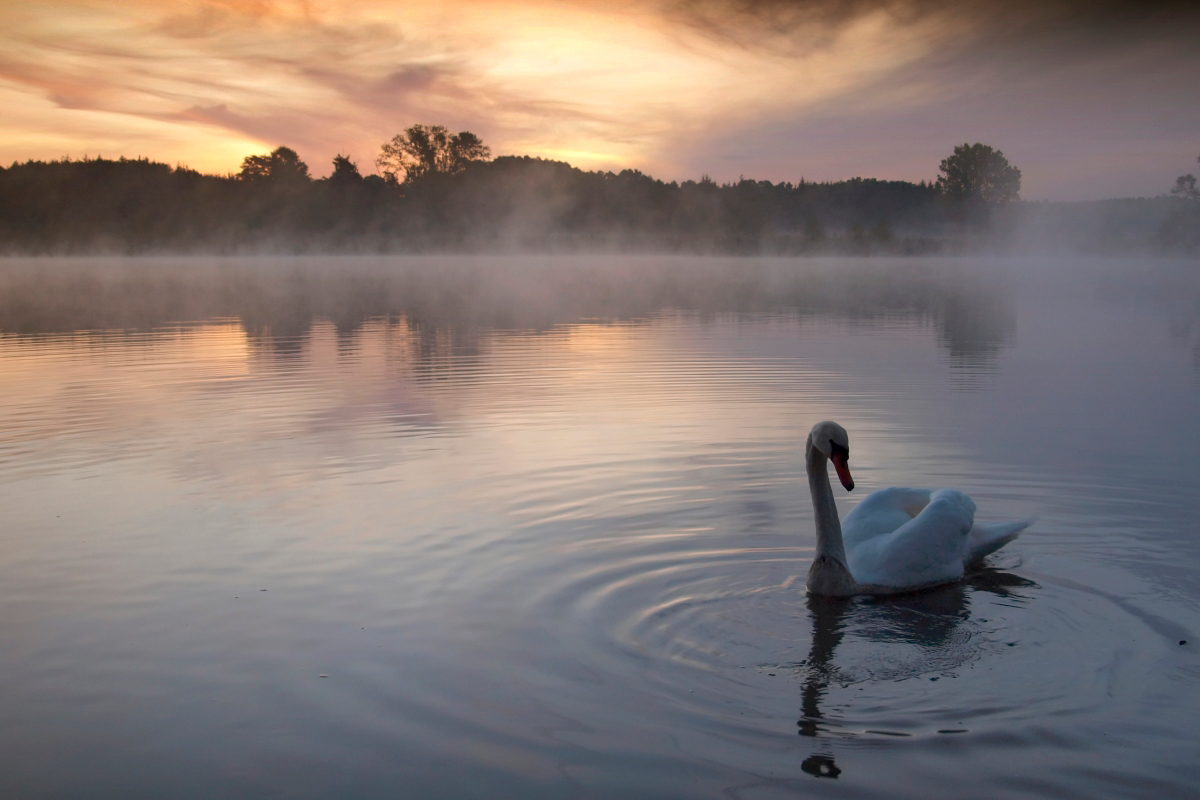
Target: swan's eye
836,449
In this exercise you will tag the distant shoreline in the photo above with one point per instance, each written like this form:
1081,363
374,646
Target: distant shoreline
529,205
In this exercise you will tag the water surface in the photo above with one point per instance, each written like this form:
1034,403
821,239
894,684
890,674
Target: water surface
538,528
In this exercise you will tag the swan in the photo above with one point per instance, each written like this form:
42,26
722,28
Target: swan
895,540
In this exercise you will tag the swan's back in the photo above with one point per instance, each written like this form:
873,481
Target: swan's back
924,549
882,512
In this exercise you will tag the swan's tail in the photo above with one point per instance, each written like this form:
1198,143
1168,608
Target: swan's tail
983,540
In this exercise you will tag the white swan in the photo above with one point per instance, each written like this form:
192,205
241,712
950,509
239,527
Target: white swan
895,540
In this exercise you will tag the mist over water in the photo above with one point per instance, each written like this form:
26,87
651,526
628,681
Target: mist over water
538,527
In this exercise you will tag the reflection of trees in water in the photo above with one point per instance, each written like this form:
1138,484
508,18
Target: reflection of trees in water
426,350
277,300
1184,322
1172,290
932,621
1185,333
975,323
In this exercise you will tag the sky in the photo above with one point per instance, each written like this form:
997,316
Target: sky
1089,98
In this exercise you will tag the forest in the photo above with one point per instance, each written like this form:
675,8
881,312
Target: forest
438,192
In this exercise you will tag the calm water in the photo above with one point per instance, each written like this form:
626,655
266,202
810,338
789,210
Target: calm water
538,528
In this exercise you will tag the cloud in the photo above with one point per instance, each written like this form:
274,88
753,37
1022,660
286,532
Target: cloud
769,88
1091,99
766,21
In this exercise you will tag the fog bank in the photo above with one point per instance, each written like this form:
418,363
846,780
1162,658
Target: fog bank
529,205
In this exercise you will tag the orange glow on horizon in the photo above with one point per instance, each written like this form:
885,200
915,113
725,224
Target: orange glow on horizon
206,83
822,90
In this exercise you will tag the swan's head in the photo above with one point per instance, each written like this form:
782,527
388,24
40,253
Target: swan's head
831,441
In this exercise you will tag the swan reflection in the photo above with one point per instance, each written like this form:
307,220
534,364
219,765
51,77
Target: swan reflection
935,622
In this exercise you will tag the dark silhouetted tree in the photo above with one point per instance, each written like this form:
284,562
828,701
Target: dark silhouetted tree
978,174
429,149
814,231
283,165
882,232
1180,231
345,171
1185,186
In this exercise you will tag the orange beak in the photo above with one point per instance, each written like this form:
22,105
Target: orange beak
843,471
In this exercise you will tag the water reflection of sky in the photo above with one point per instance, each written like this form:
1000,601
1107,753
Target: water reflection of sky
528,545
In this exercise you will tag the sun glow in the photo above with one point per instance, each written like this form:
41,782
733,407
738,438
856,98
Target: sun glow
776,91
206,83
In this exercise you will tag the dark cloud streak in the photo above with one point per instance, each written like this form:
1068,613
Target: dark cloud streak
1058,84
1016,29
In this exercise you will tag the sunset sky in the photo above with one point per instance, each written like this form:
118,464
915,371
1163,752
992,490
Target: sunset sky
1089,99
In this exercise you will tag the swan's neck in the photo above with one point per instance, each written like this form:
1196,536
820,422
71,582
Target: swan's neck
829,527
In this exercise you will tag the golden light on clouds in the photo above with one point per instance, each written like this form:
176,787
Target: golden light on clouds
207,82
666,86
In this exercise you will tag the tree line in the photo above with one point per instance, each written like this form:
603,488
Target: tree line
441,191
1180,231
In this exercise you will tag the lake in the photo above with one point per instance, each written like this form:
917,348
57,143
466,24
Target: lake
538,527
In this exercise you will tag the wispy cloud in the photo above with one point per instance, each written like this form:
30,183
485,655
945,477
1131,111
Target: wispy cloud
770,88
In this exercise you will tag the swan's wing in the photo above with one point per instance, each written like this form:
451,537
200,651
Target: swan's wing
983,540
927,549
882,512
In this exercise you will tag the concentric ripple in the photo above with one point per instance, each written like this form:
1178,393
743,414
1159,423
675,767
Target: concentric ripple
705,627
386,558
